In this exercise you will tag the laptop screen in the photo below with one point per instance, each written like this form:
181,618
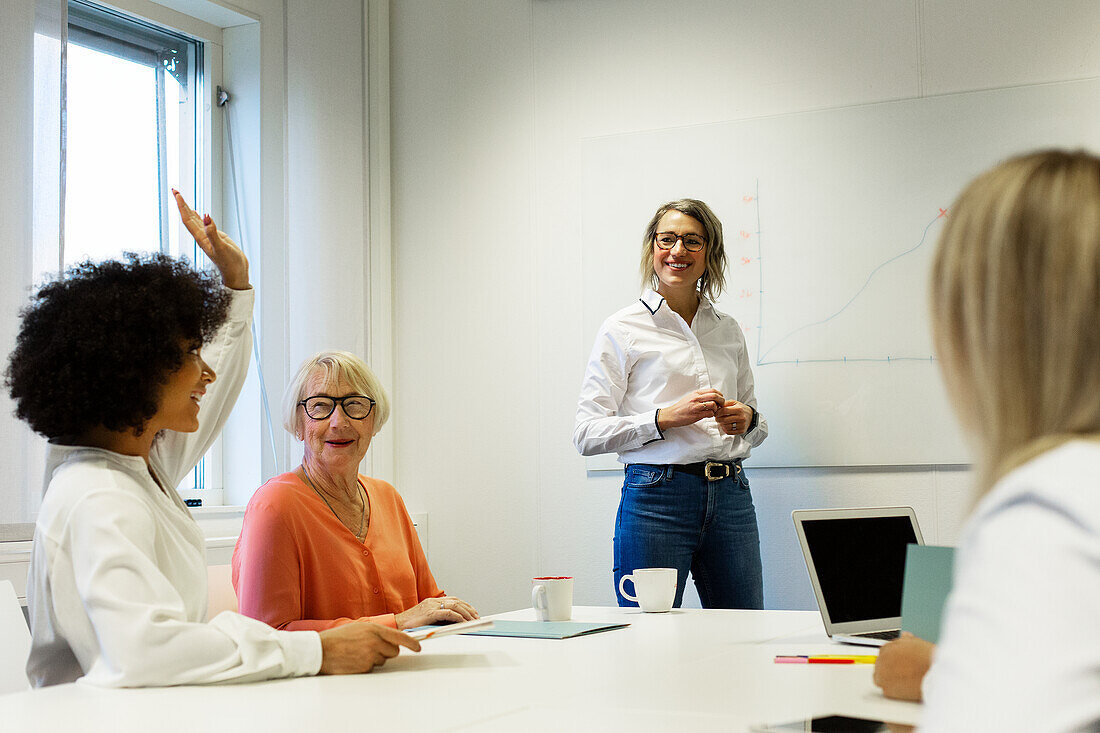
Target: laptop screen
860,564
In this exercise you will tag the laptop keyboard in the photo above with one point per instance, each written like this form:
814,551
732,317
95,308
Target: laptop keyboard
887,635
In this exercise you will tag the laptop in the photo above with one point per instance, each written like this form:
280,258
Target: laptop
856,560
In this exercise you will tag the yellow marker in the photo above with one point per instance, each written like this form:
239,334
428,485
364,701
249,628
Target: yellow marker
826,659
854,659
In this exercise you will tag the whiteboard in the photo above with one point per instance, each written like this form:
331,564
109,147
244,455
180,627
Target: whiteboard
830,220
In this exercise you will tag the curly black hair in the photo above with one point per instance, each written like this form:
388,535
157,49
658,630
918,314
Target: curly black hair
97,344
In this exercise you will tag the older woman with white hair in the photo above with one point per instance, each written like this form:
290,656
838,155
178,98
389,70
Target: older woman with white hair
323,544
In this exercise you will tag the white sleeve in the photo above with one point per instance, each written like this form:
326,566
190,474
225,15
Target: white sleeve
598,427
746,394
1020,643
139,617
228,354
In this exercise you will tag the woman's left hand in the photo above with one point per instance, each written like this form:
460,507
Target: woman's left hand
734,417
222,251
445,610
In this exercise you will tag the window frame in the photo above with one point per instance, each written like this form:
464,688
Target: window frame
234,37
106,30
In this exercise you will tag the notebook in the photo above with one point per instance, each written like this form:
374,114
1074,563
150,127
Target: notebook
928,574
856,561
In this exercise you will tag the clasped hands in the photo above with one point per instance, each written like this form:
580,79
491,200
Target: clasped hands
733,417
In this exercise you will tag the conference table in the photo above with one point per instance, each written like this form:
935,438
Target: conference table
686,670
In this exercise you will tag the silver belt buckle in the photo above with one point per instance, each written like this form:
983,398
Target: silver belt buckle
715,476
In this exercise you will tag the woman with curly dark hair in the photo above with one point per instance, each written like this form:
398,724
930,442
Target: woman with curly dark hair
108,366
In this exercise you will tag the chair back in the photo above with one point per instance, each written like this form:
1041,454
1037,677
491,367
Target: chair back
15,641
220,593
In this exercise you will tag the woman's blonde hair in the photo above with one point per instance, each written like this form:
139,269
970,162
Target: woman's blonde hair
1015,302
713,280
334,366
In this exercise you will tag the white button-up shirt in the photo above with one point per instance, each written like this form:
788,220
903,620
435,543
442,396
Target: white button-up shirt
117,586
647,357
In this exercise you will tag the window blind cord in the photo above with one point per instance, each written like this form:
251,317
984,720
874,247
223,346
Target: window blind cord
223,102
63,137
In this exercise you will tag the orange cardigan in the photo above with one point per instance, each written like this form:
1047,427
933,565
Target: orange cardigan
297,567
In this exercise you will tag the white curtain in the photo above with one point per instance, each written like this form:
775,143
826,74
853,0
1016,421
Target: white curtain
32,42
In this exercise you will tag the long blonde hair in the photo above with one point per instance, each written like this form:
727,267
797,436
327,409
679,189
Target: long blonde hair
1015,302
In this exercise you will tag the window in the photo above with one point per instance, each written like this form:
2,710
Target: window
132,132
131,128
157,64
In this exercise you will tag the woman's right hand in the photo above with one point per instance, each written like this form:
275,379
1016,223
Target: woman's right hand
902,665
691,409
360,647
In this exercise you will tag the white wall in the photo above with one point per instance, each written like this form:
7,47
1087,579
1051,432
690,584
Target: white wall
466,407
489,103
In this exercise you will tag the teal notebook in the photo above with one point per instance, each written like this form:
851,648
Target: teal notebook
544,629
928,573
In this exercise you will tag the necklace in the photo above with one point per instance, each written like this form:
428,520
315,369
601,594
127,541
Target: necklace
362,513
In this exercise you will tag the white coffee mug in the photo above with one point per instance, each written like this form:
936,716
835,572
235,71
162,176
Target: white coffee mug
552,597
656,588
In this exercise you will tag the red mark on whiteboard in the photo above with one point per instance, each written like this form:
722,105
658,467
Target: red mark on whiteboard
745,294
943,212
744,234
745,260
748,199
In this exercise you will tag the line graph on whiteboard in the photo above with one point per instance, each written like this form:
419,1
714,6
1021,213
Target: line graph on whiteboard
829,218
779,342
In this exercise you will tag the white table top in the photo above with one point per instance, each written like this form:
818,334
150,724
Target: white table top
695,670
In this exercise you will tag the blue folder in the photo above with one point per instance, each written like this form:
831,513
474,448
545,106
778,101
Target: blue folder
544,629
928,574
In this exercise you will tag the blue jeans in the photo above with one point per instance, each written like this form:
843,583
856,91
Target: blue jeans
676,520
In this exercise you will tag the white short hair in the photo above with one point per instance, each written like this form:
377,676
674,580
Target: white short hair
334,366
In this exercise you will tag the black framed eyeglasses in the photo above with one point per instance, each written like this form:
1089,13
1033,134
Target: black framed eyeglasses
668,240
355,406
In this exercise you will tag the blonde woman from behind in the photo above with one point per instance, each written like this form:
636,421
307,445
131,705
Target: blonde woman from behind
1016,319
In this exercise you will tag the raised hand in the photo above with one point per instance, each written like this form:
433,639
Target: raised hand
691,409
222,251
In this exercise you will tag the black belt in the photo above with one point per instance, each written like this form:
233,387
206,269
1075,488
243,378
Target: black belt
710,470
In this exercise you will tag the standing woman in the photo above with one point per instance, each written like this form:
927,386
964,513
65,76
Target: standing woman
668,388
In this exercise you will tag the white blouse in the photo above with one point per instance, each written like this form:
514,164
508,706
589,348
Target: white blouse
1020,648
117,588
647,357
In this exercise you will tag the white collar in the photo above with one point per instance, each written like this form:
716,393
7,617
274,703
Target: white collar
652,300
